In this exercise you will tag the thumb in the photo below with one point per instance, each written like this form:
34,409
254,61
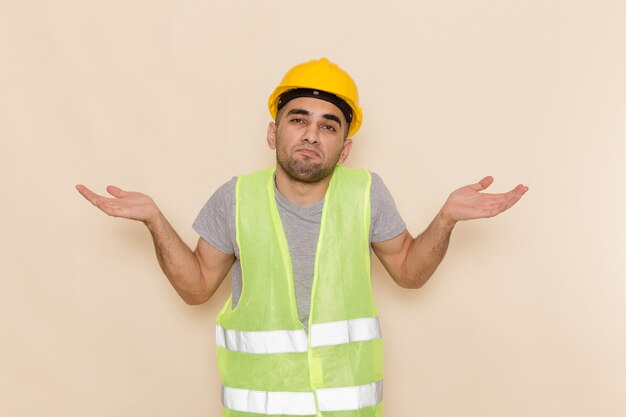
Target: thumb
483,184
117,192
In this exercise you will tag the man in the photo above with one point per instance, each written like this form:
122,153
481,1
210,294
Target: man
300,334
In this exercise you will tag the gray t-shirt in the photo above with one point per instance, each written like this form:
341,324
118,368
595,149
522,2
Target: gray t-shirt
216,224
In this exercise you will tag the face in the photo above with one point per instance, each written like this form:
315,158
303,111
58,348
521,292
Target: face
308,137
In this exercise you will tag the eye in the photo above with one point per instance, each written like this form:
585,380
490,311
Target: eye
296,120
330,128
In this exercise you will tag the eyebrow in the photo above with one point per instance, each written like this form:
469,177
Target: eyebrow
332,117
299,111
307,113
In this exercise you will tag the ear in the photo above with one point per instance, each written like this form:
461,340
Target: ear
345,151
271,135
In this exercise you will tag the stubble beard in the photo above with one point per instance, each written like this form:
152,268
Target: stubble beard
305,169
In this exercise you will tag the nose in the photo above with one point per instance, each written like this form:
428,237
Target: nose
311,135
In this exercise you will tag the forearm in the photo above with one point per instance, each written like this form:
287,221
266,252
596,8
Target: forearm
426,252
177,261
194,275
411,262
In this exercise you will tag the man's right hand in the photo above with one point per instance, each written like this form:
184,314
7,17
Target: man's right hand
125,204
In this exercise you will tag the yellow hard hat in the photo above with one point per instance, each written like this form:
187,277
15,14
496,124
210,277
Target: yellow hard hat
321,75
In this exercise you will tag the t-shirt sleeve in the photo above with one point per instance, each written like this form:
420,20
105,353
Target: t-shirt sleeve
213,220
386,221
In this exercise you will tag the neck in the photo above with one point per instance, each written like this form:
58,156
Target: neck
304,194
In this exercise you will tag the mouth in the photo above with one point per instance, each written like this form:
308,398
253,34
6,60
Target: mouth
311,153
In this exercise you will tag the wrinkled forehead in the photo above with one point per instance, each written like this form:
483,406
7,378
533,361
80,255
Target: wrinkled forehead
289,95
315,107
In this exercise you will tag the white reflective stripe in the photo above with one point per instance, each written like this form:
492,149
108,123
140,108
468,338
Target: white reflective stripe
350,398
263,402
303,403
345,331
292,341
270,341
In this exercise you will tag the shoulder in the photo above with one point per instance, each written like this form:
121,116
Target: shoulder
386,220
220,201
377,185
215,220
227,190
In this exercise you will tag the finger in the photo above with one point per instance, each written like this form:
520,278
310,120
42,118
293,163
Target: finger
518,191
88,194
103,203
117,192
483,184
512,197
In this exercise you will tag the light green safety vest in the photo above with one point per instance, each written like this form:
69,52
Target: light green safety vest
269,364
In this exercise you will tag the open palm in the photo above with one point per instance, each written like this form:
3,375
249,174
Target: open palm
126,204
469,203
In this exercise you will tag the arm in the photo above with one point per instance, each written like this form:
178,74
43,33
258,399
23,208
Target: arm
195,275
411,262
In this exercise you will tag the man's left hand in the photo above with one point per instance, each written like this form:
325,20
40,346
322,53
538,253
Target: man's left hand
468,202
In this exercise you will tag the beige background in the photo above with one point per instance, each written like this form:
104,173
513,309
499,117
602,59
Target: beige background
525,317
